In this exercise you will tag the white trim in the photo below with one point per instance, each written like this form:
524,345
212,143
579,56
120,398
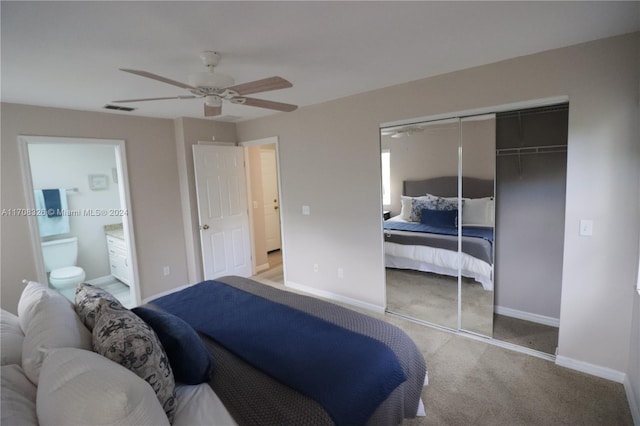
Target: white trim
527,316
632,398
256,142
485,110
336,297
594,370
123,190
263,267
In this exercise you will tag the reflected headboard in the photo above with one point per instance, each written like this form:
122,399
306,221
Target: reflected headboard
447,186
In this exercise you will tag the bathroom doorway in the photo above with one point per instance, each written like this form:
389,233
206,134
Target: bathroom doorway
78,192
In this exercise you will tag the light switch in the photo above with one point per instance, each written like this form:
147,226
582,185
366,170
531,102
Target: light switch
586,227
306,210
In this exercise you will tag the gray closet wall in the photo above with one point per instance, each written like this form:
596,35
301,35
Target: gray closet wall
531,168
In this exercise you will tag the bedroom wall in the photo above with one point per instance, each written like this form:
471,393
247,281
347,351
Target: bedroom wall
153,175
330,161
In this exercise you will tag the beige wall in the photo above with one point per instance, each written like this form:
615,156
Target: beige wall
330,161
153,175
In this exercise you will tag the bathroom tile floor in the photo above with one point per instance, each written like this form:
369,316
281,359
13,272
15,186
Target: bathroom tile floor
118,289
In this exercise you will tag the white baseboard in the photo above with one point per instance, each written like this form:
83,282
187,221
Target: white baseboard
164,293
527,316
632,398
336,297
594,370
260,268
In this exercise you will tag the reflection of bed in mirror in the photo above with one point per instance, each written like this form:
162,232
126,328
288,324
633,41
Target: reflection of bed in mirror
429,243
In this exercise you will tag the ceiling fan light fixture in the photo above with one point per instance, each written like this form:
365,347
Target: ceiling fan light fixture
213,101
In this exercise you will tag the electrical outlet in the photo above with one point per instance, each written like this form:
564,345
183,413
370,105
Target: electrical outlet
166,270
340,273
306,210
586,227
315,267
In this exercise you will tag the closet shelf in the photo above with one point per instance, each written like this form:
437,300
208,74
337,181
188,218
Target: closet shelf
544,149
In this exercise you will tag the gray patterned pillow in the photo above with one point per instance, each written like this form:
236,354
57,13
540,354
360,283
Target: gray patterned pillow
419,203
448,203
87,300
123,337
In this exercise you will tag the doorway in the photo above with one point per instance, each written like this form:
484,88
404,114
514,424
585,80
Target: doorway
263,179
88,178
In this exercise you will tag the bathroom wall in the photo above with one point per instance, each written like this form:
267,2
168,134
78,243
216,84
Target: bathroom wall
69,166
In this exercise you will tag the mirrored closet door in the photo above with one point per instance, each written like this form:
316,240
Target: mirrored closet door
473,207
439,267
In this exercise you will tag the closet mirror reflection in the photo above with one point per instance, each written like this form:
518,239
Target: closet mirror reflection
438,185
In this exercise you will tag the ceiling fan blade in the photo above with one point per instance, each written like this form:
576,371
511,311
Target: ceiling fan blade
154,99
212,111
264,85
158,77
269,104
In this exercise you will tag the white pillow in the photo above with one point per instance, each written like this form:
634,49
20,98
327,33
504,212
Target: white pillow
49,321
18,397
79,387
478,212
406,203
199,405
11,338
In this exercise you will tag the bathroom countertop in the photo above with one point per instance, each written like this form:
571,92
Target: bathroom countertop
114,230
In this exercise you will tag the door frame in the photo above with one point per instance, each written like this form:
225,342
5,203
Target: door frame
123,189
257,142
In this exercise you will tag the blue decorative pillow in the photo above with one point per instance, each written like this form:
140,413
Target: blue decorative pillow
446,218
419,203
189,358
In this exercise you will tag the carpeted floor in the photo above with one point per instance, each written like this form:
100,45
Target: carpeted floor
475,383
433,298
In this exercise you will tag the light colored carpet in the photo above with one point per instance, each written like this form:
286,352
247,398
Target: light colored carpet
475,383
529,334
434,298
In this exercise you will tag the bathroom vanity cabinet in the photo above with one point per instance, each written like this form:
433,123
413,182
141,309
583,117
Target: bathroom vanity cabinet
119,259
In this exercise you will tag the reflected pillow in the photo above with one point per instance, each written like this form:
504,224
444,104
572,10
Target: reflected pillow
440,218
419,203
478,212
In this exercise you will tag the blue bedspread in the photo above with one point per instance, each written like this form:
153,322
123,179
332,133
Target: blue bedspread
349,374
467,231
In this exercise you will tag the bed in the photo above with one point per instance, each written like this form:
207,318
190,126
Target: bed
256,398
59,358
409,244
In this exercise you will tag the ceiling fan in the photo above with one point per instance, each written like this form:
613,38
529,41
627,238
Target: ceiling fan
398,132
216,87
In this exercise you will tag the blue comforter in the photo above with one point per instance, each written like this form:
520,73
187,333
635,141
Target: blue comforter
467,231
348,373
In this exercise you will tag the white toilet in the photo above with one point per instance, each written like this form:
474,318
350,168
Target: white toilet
60,256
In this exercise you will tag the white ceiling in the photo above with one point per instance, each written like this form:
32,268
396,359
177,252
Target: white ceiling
67,54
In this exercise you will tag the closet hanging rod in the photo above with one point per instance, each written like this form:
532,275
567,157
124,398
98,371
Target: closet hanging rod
532,150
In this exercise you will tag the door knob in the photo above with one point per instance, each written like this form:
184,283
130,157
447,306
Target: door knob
205,227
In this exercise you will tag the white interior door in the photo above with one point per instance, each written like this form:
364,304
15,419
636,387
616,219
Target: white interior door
271,199
222,210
